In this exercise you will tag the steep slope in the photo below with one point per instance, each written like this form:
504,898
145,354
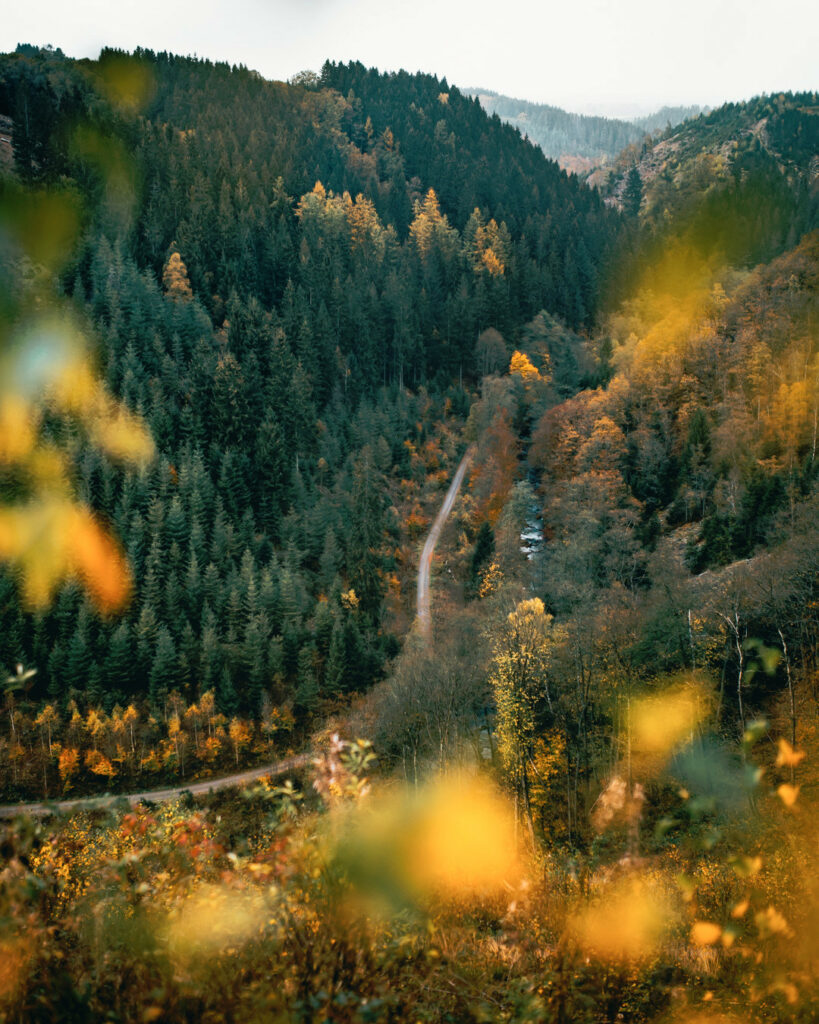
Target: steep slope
742,178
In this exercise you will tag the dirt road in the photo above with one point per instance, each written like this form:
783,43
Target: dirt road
159,795
424,600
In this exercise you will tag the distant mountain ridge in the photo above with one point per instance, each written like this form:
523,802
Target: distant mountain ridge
744,177
668,117
576,141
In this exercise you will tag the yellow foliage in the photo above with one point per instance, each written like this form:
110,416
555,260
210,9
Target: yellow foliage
99,764
660,722
491,579
492,263
56,540
705,933
628,923
52,538
430,228
175,278
463,839
522,365
69,764
17,429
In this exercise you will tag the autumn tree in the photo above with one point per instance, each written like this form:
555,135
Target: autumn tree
175,278
523,651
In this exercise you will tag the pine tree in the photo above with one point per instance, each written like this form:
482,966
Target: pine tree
633,193
163,676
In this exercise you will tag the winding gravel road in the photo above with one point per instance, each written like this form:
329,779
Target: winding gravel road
290,763
424,600
156,796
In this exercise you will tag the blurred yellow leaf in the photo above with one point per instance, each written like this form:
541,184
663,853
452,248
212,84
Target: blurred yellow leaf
55,540
463,838
127,82
772,922
745,866
123,436
705,933
75,389
42,225
787,757
109,423
662,721
211,918
627,923
740,908
17,430
788,794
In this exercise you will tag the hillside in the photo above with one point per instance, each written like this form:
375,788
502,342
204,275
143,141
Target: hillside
288,285
717,173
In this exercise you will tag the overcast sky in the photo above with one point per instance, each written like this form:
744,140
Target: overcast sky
602,55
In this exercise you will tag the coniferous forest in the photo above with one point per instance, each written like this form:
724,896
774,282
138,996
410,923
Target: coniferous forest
249,331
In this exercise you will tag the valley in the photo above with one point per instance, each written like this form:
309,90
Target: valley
422,538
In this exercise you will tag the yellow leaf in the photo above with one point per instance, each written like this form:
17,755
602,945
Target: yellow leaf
740,908
628,924
662,721
705,933
771,922
788,794
787,756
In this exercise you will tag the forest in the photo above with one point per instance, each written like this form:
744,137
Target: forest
249,331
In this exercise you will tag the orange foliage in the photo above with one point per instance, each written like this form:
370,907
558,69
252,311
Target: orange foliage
494,471
69,765
175,278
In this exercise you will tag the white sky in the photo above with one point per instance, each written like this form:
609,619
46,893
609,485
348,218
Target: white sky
611,56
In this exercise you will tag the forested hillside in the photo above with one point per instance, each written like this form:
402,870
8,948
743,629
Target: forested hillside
677,499
740,180
266,270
